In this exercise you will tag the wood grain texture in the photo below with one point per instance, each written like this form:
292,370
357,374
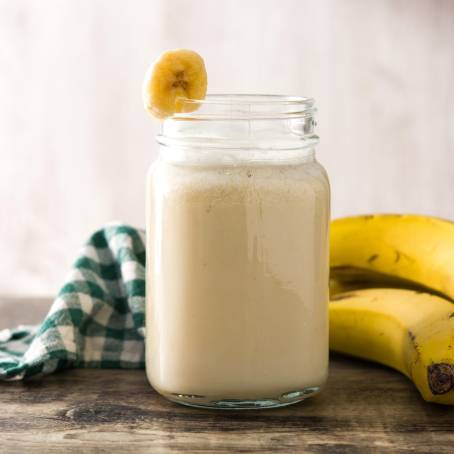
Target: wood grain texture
364,408
75,142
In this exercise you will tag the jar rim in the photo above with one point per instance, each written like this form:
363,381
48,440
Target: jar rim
244,106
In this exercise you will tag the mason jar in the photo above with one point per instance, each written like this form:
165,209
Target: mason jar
237,254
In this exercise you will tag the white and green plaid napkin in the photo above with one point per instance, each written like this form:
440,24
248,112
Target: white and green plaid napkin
97,319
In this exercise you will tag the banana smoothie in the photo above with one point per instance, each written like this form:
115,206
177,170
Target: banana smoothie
238,288
237,244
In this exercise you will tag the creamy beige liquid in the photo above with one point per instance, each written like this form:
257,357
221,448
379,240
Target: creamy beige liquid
237,279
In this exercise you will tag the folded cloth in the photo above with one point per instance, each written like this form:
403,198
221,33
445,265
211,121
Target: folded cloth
97,319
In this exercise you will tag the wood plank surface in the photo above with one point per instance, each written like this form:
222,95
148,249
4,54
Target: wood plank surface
364,408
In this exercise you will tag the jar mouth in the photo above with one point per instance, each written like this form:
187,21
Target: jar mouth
245,107
241,122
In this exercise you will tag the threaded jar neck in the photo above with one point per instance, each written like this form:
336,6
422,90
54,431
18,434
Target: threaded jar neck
246,122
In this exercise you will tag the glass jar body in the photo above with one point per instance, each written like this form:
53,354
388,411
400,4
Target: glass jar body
237,278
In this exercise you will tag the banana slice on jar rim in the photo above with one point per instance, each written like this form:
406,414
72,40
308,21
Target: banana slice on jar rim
175,76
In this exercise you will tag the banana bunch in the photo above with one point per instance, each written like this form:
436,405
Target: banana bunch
392,293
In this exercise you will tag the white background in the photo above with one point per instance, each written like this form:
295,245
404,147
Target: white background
75,142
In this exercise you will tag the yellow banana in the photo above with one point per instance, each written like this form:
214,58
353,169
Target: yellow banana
175,76
410,331
397,250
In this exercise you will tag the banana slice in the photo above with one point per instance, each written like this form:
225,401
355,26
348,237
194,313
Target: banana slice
176,75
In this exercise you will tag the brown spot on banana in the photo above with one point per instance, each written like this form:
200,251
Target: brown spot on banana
401,255
372,258
440,377
415,344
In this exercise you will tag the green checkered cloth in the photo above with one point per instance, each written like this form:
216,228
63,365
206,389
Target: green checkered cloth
97,319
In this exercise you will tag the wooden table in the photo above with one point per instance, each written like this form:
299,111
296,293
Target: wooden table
365,408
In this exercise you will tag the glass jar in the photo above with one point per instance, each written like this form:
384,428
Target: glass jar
237,255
